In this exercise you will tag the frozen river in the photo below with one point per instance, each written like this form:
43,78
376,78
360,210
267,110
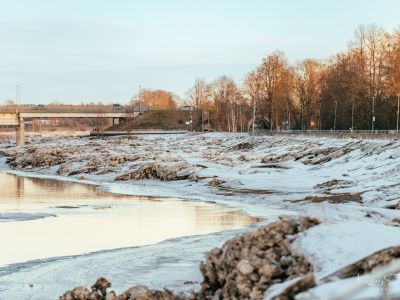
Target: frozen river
43,218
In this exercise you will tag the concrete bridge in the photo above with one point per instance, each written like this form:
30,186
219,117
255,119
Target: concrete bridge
12,115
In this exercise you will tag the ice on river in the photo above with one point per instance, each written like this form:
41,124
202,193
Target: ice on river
351,185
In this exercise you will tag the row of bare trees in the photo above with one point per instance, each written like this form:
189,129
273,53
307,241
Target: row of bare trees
355,89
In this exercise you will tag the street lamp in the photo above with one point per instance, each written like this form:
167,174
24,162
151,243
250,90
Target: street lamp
373,112
17,97
140,91
352,116
398,107
191,120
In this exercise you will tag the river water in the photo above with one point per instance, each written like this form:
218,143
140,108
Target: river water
42,218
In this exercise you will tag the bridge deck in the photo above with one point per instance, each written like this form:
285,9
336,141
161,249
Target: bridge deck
8,114
70,109
8,119
45,114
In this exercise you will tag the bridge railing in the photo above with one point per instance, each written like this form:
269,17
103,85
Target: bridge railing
311,131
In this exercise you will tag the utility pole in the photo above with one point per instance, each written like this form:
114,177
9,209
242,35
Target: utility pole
287,111
139,96
398,107
352,116
19,129
254,113
17,97
373,113
334,122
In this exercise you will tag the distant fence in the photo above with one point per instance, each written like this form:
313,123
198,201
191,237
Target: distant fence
364,134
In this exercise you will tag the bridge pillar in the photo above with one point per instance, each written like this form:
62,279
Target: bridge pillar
20,132
115,121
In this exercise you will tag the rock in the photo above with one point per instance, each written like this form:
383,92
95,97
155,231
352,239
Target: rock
111,296
66,296
80,293
139,292
270,270
215,182
245,267
101,285
395,221
95,295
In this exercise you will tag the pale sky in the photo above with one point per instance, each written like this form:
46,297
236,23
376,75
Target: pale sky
102,50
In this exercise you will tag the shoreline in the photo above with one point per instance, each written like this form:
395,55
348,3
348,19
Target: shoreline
205,241
160,189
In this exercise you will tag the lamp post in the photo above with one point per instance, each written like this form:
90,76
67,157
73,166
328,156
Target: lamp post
352,116
254,114
334,122
373,113
288,117
17,97
140,92
398,107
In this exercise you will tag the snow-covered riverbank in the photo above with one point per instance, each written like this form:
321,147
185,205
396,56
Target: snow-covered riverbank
352,186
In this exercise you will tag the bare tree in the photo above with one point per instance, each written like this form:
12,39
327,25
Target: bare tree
199,94
226,98
308,81
253,89
156,99
275,75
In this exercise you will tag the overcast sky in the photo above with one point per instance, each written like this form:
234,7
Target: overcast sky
102,50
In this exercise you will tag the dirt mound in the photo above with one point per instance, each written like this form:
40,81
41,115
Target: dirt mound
367,264
164,172
333,184
33,158
331,198
245,267
242,146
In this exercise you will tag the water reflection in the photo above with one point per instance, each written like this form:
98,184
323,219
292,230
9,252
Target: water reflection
88,219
